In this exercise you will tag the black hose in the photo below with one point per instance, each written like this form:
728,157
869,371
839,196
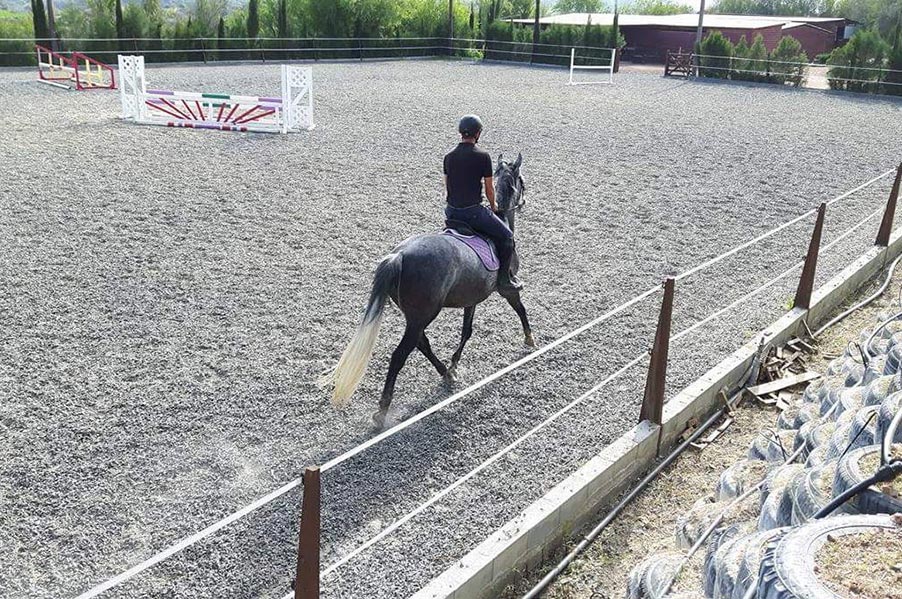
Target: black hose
863,303
883,474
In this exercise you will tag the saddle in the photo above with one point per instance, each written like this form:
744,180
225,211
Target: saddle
482,246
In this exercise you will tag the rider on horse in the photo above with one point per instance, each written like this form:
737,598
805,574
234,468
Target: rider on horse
466,169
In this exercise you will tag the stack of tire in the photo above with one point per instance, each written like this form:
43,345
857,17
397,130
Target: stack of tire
770,537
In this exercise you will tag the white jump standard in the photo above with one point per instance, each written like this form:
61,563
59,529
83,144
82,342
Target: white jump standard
608,67
225,112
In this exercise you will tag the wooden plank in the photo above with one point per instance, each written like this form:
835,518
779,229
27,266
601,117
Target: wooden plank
784,383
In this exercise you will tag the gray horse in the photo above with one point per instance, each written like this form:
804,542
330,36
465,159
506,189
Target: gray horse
423,275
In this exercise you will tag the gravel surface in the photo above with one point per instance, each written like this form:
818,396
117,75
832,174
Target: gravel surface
169,297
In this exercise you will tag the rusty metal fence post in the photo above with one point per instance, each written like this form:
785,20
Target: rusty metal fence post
886,225
306,582
653,402
806,281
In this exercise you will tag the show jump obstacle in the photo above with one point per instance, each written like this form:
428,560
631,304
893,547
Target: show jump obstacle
75,71
292,112
575,67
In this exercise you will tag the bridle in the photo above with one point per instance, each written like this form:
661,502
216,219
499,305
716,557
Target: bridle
518,188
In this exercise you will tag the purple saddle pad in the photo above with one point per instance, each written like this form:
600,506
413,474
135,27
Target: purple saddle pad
484,248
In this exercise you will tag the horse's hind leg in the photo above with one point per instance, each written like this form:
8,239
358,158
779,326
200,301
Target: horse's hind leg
517,305
409,342
465,334
426,350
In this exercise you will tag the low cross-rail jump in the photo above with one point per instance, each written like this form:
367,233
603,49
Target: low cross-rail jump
458,268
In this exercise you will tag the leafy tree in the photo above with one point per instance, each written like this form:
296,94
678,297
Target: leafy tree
789,50
657,7
134,22
253,19
893,82
567,6
715,52
797,8
206,15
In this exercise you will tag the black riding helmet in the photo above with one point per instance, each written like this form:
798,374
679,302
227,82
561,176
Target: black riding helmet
470,125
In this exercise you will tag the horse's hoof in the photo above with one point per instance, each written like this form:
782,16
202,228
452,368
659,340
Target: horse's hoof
449,378
530,341
379,418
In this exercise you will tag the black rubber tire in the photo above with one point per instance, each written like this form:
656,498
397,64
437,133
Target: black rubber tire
893,357
864,425
727,562
634,588
751,560
779,446
890,406
820,434
787,418
816,457
807,413
740,476
809,495
659,573
719,538
874,369
803,433
778,493
849,474
850,400
839,440
693,521
812,391
787,570
881,388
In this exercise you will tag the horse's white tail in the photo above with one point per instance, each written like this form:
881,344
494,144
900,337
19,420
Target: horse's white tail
345,376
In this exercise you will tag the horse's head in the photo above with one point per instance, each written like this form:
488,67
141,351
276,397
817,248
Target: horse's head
509,188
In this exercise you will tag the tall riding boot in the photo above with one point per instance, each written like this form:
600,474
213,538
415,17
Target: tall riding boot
507,281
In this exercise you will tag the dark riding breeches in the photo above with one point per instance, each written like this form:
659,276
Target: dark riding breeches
482,220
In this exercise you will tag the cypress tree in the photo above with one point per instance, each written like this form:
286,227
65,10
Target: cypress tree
220,37
39,19
282,18
51,26
120,33
253,20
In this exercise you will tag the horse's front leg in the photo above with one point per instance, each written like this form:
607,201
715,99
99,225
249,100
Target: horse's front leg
465,335
517,305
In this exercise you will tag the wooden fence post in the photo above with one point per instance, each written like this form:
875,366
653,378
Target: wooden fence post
886,225
306,582
653,402
806,281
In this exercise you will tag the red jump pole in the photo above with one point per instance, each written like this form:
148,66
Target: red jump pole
306,582
653,402
806,281
886,225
